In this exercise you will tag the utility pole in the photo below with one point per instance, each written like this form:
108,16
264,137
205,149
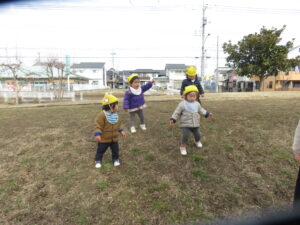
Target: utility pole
217,71
113,69
204,22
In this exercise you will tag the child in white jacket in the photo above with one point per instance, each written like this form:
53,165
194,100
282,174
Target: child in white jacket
188,111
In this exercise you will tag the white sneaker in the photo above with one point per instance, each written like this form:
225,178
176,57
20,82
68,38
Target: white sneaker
132,130
183,150
198,144
117,163
98,165
143,127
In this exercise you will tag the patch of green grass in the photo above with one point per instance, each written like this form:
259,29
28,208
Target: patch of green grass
135,150
197,158
69,176
176,218
161,206
200,173
196,212
27,160
82,219
102,185
228,148
159,188
9,186
149,157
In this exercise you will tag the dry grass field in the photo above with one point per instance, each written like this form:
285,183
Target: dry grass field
48,175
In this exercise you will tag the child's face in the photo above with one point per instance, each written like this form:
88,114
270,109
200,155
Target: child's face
115,109
191,97
135,84
192,77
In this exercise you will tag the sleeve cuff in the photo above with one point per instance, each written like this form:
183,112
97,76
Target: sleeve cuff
97,133
120,130
173,120
207,114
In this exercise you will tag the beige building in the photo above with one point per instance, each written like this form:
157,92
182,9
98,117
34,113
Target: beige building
284,81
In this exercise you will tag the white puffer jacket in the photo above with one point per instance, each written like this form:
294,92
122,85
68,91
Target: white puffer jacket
296,145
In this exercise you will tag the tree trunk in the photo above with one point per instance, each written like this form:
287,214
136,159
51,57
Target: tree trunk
261,86
17,91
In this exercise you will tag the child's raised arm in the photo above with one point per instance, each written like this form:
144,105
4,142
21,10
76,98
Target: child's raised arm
146,87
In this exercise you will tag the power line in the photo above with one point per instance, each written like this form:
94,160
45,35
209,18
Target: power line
109,57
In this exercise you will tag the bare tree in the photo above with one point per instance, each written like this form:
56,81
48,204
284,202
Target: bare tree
55,71
14,69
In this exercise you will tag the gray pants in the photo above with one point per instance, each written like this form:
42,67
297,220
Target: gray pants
140,113
185,134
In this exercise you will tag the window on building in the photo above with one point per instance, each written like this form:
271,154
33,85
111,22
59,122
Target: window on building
286,84
94,71
257,86
296,84
270,84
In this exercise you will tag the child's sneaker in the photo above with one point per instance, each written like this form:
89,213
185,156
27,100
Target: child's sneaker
143,127
98,164
198,144
132,130
117,163
183,150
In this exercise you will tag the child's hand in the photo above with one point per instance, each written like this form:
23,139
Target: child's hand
98,138
202,95
182,96
172,122
123,133
126,110
210,115
152,81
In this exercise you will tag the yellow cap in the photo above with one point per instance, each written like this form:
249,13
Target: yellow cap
109,99
191,71
189,89
132,76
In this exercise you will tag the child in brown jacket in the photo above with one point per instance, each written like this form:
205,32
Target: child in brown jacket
106,130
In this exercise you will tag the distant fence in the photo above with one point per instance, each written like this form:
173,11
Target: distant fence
35,96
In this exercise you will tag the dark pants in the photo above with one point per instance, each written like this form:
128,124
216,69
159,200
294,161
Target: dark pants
102,147
185,134
297,190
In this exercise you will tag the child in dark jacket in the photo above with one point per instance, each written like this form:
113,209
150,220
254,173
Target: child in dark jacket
134,101
107,127
191,79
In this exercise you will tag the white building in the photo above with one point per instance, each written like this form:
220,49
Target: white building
94,71
176,74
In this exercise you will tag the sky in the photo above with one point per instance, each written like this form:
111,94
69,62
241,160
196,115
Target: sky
138,34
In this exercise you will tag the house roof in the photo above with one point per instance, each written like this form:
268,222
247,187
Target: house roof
145,71
162,73
88,65
175,66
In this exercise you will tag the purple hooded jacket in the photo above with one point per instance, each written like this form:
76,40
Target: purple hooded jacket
132,101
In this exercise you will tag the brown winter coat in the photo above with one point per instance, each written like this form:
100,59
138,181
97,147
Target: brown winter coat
109,132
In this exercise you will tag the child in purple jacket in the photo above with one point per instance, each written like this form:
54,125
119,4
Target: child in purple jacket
134,101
